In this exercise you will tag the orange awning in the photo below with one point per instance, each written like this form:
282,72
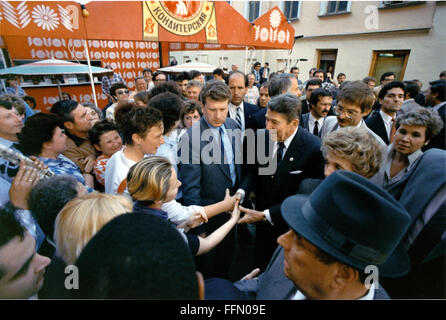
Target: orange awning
200,22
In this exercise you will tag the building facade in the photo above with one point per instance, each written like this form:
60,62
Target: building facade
358,38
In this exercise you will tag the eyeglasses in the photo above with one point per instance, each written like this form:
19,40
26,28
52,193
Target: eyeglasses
348,113
122,91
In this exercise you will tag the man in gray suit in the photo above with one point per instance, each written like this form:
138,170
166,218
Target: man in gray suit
342,239
412,91
208,166
354,102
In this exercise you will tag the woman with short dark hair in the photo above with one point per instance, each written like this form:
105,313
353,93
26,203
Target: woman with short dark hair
414,129
43,136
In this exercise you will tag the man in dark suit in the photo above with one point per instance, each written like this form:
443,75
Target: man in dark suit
264,73
239,111
292,154
436,97
327,252
280,84
208,166
310,85
391,98
320,105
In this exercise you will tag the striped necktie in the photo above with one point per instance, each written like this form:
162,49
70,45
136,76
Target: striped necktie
238,118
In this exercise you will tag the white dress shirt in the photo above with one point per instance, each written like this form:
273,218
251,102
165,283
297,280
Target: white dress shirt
369,296
311,123
387,122
233,113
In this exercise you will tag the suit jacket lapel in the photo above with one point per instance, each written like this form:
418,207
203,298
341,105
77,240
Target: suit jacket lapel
292,155
381,128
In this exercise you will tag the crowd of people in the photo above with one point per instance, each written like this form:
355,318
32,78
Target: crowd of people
332,183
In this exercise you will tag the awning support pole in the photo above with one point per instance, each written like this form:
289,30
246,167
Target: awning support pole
89,72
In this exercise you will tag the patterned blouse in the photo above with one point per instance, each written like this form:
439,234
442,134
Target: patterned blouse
99,168
64,166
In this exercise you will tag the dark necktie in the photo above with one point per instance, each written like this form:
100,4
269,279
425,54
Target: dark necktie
316,128
222,147
280,152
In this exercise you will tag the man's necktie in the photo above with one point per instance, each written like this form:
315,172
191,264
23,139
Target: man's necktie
316,128
392,131
280,152
230,162
238,118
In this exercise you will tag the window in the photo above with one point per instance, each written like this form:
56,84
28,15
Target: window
291,10
389,60
337,6
253,10
334,7
399,4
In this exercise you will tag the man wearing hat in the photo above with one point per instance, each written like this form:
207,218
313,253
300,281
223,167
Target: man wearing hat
346,227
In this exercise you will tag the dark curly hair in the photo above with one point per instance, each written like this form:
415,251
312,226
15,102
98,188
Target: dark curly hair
170,105
189,107
133,119
48,197
99,128
37,130
167,86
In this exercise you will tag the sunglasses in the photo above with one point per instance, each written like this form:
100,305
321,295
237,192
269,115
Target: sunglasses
122,91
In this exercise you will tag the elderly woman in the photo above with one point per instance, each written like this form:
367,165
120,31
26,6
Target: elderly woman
352,149
43,137
95,112
414,129
252,92
349,148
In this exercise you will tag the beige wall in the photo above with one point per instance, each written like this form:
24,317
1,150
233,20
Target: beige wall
355,52
425,36
311,24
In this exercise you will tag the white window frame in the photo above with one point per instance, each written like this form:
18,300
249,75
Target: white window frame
387,4
247,10
282,8
324,7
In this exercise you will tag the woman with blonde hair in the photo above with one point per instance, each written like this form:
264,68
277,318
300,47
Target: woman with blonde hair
81,218
78,221
353,149
348,148
153,181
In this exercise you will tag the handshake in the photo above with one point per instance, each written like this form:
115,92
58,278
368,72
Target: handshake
250,215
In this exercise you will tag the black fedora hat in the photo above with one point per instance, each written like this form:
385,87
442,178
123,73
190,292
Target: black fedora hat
353,220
